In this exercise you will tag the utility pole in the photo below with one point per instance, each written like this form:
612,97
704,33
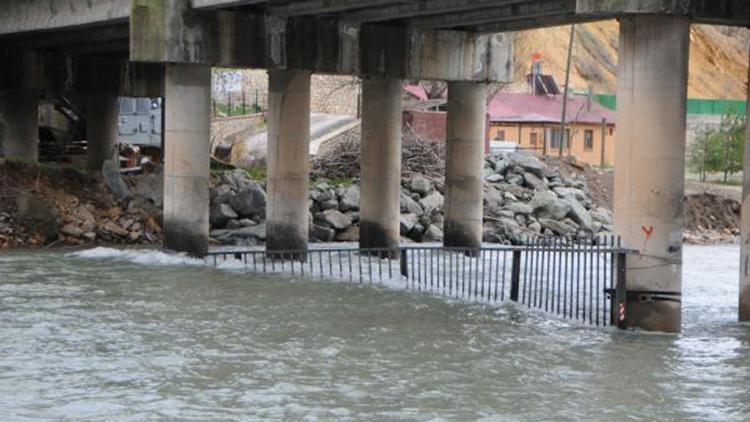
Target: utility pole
567,87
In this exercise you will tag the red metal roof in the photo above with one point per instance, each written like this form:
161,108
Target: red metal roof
417,91
520,108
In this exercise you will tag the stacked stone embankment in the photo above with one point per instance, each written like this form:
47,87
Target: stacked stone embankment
522,197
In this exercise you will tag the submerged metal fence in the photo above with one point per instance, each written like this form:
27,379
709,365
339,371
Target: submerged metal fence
577,280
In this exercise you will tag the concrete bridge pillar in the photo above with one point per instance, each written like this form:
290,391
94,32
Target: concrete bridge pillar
381,164
102,113
186,157
288,161
745,224
466,132
650,164
19,125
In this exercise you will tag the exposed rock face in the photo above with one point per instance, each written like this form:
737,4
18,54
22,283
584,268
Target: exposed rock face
522,198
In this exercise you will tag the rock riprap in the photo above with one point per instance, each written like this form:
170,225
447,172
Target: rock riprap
522,197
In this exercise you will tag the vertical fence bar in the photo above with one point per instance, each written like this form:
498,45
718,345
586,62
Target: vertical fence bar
621,292
404,264
515,278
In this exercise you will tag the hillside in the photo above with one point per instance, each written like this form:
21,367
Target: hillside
718,58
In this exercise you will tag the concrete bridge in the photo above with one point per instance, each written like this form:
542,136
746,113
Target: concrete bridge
107,48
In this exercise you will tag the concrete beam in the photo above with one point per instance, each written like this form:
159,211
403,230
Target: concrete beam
42,15
169,31
416,9
313,7
439,55
514,11
222,4
719,12
58,72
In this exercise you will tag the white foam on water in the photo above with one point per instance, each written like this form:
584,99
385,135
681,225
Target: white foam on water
138,256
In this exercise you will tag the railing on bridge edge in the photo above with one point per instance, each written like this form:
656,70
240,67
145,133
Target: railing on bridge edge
581,280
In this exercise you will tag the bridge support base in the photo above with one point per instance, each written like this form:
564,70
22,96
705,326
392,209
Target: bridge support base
19,125
650,165
467,103
745,225
186,158
101,129
381,164
288,161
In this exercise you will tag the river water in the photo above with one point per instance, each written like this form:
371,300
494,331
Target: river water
140,335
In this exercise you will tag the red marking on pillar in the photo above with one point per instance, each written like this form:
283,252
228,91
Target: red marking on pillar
648,231
622,311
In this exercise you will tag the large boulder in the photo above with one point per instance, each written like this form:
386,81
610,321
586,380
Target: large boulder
221,194
576,193
407,223
321,234
432,202
559,227
602,215
534,182
528,163
410,206
113,180
349,198
334,219
250,201
319,194
236,179
433,234
546,204
220,214
420,184
519,208
579,214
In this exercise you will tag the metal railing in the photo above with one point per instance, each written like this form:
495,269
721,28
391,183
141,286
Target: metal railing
577,280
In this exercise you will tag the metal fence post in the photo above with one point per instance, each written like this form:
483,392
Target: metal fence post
515,278
404,263
621,293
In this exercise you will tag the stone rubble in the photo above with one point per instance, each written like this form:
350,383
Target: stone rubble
523,197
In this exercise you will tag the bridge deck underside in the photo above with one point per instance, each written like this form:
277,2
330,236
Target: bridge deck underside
84,27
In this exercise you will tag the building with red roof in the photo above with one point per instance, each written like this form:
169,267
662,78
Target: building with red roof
532,122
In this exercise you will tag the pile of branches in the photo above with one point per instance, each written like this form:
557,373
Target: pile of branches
341,159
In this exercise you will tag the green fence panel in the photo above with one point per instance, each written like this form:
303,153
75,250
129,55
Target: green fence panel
695,106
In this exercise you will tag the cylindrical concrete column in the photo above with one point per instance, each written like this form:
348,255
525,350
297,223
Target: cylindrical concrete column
102,112
288,163
467,104
186,157
19,125
745,224
650,164
380,164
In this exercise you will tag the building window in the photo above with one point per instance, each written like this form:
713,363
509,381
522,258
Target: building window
588,139
555,143
611,131
500,135
533,139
